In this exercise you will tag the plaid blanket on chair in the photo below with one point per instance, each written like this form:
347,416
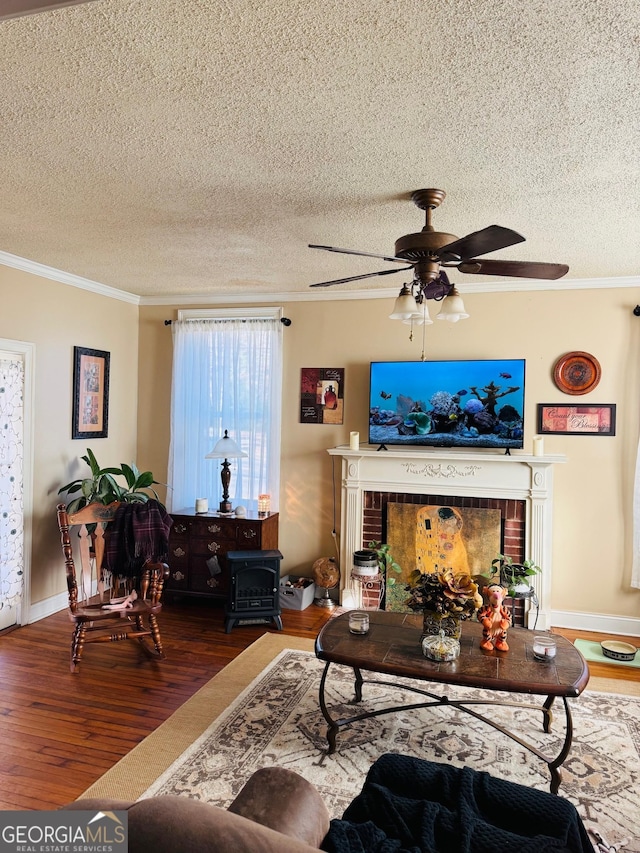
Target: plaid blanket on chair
138,533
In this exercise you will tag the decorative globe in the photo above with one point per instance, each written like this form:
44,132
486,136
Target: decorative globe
325,572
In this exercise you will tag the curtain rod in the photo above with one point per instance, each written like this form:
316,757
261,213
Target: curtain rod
284,320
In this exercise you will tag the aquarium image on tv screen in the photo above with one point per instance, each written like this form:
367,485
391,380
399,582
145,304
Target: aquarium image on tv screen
464,403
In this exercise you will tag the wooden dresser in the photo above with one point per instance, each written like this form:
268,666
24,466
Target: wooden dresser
198,547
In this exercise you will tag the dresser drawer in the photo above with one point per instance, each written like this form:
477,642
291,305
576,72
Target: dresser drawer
248,536
213,545
204,578
178,561
211,527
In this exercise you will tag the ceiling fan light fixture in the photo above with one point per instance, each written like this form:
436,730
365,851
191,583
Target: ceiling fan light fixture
421,319
405,306
452,307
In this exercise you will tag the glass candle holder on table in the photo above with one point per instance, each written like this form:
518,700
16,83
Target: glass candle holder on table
544,648
264,504
358,622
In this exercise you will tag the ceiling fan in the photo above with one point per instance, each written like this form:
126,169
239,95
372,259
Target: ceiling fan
428,251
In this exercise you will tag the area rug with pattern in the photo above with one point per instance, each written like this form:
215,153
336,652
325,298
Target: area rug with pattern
276,721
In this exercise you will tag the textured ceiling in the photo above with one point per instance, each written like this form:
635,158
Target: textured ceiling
165,147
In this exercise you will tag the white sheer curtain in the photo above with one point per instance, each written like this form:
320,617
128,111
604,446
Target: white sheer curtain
227,375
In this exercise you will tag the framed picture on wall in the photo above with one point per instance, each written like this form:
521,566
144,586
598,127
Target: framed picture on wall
321,395
90,393
577,420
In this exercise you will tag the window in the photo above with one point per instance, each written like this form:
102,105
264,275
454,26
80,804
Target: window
227,375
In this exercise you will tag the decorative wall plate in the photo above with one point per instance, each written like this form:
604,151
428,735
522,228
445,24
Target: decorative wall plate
576,373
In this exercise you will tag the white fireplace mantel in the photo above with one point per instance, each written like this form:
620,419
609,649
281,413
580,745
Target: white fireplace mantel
459,473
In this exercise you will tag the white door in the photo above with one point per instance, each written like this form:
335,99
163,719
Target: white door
16,365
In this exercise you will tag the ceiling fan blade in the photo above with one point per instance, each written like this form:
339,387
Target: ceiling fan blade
357,277
514,269
17,8
362,254
489,239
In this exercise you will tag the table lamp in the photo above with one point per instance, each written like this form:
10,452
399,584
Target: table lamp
226,449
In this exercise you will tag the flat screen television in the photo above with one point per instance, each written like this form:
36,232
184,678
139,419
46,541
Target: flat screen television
465,403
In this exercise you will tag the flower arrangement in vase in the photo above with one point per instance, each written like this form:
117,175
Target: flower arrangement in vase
444,598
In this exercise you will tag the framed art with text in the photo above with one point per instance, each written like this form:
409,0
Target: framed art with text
321,395
557,419
90,393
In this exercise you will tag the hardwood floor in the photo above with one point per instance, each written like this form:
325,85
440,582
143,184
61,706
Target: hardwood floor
604,670
59,732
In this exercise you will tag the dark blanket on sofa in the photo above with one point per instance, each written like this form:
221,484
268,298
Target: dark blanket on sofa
409,805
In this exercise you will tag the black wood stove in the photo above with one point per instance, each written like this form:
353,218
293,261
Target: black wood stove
254,581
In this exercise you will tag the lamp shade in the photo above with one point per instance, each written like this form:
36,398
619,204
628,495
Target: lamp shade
405,305
226,448
452,307
422,318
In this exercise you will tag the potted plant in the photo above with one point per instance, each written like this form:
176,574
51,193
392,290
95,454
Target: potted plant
102,487
514,575
386,563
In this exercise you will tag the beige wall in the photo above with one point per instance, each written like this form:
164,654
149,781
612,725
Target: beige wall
56,317
592,523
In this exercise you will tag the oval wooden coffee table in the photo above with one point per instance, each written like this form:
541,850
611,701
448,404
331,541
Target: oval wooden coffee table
392,647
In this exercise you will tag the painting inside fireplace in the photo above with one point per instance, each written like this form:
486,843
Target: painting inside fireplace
436,537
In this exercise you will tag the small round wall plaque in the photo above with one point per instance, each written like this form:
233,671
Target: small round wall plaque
576,373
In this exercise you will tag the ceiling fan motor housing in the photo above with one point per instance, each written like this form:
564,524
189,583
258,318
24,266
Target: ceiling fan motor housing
423,245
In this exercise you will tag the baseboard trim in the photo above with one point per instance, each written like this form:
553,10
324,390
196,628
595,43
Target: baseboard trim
602,623
47,607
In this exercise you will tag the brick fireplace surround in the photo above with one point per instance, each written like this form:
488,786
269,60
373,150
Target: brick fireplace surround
520,485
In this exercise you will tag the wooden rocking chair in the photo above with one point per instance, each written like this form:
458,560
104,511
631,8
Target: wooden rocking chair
103,607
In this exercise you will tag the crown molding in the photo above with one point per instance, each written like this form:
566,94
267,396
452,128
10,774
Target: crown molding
44,271
536,284
315,295
329,294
